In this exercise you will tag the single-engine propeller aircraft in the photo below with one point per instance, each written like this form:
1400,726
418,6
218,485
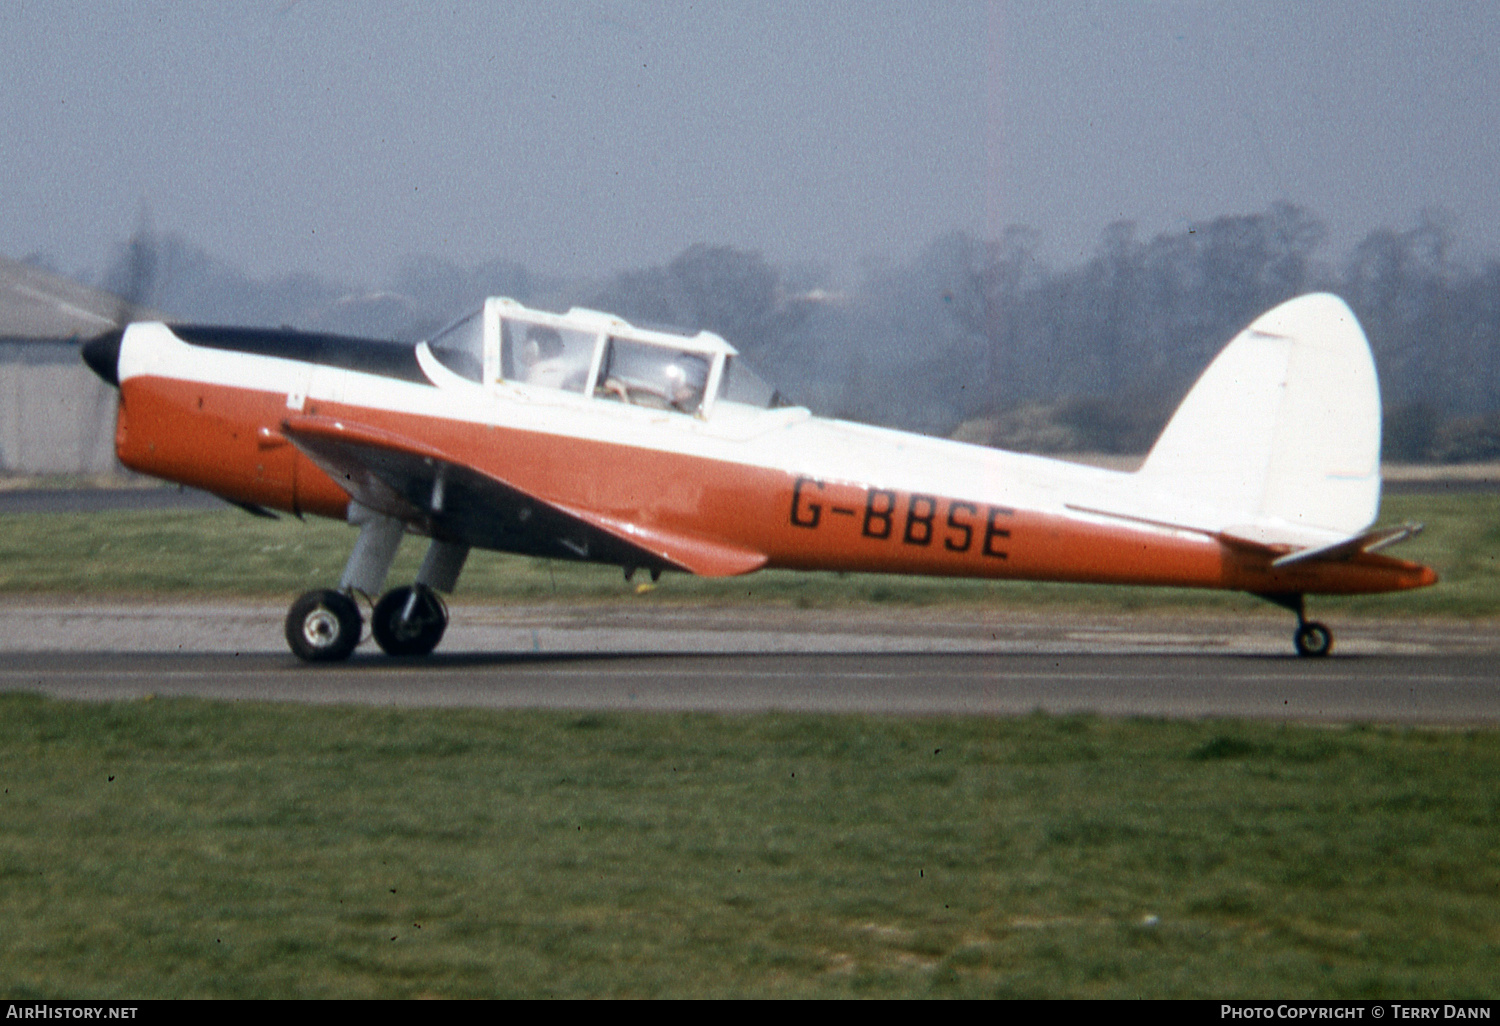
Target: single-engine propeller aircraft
580,436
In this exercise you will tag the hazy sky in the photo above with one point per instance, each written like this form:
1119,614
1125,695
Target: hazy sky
590,136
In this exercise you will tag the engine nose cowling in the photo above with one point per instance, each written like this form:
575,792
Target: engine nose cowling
102,354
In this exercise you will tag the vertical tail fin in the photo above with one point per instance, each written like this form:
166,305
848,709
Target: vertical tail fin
1284,425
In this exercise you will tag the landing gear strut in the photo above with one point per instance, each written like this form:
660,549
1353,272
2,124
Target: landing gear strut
1312,639
325,626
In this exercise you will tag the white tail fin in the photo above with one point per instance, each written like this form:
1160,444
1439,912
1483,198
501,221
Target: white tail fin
1284,426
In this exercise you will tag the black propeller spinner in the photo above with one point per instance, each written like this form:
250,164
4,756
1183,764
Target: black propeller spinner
102,354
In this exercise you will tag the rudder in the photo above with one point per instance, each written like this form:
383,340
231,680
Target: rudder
1283,426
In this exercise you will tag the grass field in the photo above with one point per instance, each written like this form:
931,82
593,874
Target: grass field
227,552
186,848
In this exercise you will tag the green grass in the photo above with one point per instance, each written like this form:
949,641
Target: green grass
192,849
230,553
185,848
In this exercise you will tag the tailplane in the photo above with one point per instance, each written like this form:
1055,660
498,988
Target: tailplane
1283,427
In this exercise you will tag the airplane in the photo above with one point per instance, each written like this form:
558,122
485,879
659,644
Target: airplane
580,436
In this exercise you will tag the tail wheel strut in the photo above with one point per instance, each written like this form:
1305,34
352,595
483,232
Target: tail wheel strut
1311,638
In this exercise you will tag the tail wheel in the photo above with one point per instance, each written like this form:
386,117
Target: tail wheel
1313,639
323,626
409,621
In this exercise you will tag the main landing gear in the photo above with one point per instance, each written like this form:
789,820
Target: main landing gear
1312,639
323,626
409,621
326,625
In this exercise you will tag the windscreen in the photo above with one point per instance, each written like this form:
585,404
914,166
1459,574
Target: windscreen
742,385
460,346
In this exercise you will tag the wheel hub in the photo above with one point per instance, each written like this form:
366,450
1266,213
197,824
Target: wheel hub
320,628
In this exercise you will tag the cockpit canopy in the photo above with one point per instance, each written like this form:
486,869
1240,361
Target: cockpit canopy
595,354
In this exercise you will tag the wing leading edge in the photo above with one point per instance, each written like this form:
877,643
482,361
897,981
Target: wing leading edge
451,500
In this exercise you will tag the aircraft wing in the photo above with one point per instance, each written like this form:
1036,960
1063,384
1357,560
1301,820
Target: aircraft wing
451,500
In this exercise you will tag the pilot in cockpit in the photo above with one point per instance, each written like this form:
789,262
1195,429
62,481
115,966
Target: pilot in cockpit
543,361
681,393
650,376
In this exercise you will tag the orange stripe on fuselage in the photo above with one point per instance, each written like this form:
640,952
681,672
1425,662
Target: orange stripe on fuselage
220,439
228,441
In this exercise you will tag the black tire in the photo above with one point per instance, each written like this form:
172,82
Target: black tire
323,627
416,635
1313,640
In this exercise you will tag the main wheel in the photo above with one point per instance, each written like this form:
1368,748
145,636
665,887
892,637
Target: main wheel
409,621
1313,639
323,626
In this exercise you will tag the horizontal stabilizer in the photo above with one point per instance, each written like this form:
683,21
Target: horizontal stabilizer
1369,541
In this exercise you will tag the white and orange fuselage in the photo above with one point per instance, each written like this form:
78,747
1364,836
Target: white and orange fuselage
727,488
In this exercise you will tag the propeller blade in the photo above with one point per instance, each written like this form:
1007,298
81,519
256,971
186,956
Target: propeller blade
133,275
133,283
141,273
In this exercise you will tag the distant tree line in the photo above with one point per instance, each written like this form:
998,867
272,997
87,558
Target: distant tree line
986,339
983,337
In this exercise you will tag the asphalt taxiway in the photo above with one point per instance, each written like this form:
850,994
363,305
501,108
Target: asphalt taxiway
876,661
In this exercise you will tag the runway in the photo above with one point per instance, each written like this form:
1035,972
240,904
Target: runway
883,661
